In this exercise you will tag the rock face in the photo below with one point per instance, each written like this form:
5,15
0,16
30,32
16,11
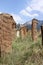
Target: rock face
42,33
13,29
23,31
34,29
7,28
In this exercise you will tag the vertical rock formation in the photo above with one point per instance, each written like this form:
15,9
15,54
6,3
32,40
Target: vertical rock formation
7,28
23,31
34,29
13,30
42,33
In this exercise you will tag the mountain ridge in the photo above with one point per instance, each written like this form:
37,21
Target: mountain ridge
28,24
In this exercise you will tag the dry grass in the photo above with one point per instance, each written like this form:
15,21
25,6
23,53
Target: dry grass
25,52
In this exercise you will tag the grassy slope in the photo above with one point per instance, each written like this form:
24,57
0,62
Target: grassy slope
25,52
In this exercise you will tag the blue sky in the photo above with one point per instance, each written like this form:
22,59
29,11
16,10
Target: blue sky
22,10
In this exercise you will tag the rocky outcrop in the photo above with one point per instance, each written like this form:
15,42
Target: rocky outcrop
7,32
23,31
34,29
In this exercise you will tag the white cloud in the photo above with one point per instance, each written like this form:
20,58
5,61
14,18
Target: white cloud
0,12
25,13
37,5
29,9
17,18
32,15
